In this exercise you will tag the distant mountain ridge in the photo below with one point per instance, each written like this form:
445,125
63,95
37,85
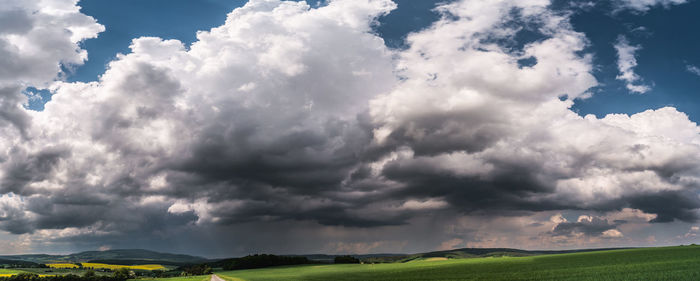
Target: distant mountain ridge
135,256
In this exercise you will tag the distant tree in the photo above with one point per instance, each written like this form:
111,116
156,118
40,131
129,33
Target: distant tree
200,269
121,274
260,261
157,274
25,276
89,274
346,259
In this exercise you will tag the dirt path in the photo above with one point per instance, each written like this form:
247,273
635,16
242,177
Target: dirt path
217,278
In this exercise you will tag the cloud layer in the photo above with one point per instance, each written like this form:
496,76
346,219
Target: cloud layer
299,118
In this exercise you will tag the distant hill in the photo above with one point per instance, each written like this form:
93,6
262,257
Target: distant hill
448,254
469,253
130,256
17,263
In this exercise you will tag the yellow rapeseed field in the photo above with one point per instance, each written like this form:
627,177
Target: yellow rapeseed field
115,266
62,265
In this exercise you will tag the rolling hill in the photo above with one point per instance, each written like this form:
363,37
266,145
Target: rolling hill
126,256
664,263
450,254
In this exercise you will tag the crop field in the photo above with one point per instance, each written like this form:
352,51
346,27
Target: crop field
115,266
9,272
62,265
666,263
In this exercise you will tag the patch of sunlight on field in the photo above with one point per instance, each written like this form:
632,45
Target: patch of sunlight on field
62,265
115,266
12,272
435,259
665,263
9,272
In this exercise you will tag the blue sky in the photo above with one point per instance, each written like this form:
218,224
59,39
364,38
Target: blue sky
668,40
129,19
669,43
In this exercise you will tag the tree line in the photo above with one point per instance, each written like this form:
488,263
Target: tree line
119,275
260,261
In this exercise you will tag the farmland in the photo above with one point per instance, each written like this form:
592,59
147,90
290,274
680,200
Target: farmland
9,272
116,266
183,278
73,268
666,263
62,265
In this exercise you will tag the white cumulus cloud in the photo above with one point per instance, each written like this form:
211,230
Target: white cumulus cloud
626,62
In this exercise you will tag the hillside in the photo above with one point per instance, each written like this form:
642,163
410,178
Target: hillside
466,253
666,263
17,263
135,256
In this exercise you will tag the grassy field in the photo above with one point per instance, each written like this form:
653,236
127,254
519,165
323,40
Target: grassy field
186,278
667,263
9,272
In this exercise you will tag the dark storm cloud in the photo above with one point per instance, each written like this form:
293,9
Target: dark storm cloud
27,168
297,159
668,205
470,131
593,227
10,114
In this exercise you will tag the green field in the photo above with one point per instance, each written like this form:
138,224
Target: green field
186,278
46,271
667,263
9,272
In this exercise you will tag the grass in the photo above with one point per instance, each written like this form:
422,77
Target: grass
184,278
114,266
666,263
11,272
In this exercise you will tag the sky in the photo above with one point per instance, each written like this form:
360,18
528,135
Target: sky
223,128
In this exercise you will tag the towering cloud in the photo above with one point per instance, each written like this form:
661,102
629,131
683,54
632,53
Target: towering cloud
38,40
299,118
